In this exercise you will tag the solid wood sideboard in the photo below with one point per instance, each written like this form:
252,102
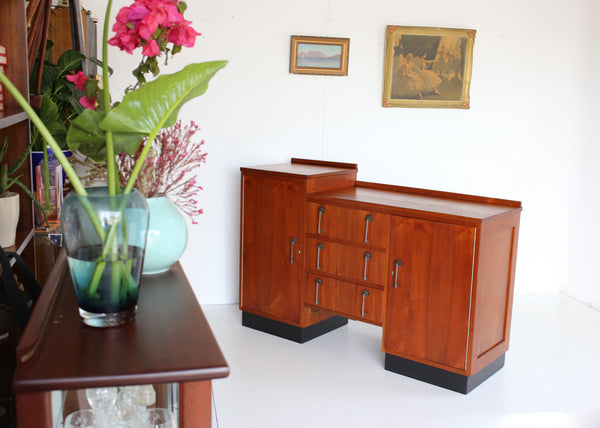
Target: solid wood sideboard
434,269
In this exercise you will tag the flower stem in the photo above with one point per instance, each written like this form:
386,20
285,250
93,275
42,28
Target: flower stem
113,188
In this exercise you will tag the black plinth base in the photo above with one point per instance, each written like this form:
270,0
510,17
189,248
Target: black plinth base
436,376
292,332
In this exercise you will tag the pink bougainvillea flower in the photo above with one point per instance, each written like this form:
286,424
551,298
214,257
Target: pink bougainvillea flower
89,103
147,20
78,79
183,35
151,49
149,24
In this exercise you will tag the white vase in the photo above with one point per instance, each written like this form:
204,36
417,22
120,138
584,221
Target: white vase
9,217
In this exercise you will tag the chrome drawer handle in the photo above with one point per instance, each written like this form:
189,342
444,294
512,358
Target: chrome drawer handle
364,293
397,263
366,256
318,282
320,247
292,242
321,211
368,219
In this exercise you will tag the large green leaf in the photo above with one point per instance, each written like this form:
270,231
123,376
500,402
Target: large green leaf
153,106
157,103
86,136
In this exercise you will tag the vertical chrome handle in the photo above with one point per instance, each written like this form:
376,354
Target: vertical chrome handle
292,242
320,247
364,293
318,282
397,263
366,256
368,219
321,211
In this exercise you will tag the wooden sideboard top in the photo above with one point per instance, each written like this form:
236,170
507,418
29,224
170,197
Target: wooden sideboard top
169,340
404,200
305,168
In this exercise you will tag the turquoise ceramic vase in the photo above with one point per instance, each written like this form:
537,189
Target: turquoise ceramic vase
167,236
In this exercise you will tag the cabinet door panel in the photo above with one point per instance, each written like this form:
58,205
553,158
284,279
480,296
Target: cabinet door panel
429,311
272,214
347,224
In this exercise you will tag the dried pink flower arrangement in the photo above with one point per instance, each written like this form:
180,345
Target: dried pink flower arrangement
169,167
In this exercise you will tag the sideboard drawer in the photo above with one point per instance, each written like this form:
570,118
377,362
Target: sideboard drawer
361,303
360,226
347,261
347,299
321,291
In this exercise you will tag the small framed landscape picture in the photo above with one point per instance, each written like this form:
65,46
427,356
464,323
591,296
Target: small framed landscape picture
427,67
319,55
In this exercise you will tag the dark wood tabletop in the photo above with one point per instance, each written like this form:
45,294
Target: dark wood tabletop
169,340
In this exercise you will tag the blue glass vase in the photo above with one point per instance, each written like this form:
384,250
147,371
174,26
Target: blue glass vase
105,239
167,236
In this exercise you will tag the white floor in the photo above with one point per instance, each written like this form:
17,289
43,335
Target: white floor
551,378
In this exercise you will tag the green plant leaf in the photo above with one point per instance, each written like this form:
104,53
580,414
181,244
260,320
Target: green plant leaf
49,113
70,61
156,104
86,136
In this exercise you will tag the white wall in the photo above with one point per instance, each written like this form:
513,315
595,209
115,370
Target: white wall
528,135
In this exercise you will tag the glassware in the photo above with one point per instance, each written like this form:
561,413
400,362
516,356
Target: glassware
102,399
146,395
82,419
155,418
105,237
127,406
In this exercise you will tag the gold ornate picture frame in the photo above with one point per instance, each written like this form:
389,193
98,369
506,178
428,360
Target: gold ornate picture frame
319,55
427,67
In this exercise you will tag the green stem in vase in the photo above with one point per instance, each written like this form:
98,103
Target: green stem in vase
113,186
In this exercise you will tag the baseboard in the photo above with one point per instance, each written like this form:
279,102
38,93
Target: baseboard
440,377
292,332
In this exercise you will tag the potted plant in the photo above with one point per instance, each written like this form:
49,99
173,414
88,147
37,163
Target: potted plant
104,230
9,201
57,104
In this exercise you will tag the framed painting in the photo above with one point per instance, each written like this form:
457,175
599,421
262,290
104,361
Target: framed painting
319,55
427,67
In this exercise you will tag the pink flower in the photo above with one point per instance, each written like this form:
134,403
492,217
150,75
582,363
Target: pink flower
89,103
146,21
78,79
170,168
149,24
151,48
183,36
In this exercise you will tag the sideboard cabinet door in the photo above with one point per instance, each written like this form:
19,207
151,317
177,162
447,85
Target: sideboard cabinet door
272,256
428,296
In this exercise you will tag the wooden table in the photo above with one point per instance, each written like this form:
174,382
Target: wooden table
169,341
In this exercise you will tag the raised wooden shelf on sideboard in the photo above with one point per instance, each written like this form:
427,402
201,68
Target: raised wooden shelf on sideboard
434,269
